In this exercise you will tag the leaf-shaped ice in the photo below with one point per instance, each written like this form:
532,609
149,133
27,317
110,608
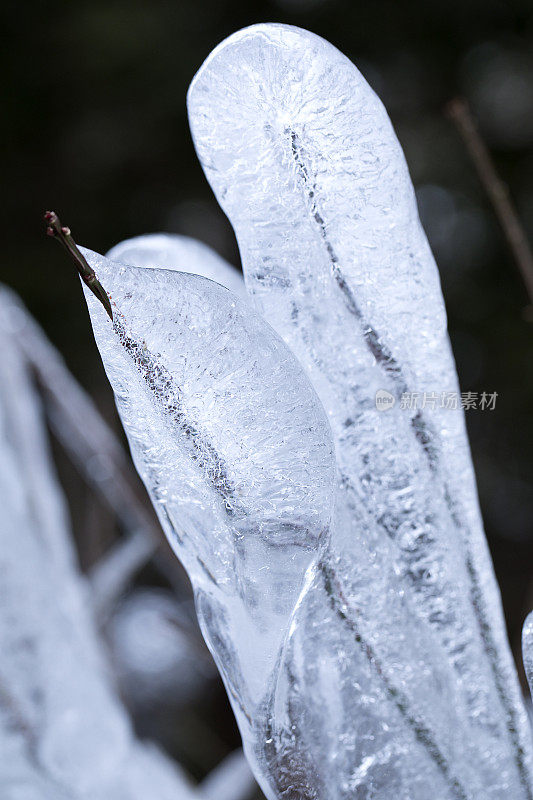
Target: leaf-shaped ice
303,159
182,253
235,450
289,762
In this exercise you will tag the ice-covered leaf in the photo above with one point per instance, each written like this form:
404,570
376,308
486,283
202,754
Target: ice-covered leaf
271,747
303,159
235,450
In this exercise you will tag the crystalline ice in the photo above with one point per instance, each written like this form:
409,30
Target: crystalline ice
63,732
236,452
302,158
232,443
425,683
170,251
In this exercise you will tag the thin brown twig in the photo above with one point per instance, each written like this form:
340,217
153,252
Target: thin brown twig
87,273
459,112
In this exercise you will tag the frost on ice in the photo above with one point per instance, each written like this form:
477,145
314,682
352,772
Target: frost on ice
350,603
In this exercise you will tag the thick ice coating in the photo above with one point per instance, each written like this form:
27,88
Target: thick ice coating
318,626
303,159
234,448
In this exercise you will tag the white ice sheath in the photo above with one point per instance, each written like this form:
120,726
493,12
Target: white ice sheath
302,158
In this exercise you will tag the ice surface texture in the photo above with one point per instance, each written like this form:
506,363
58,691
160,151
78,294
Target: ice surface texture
287,745
236,452
349,602
302,158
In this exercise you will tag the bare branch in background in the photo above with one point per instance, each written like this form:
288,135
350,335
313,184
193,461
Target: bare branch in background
459,112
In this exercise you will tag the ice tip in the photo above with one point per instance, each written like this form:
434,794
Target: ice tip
258,30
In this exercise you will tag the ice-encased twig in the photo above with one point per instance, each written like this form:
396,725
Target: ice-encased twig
286,763
63,733
236,452
303,159
273,733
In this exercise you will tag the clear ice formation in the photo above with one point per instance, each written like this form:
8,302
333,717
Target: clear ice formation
303,160
236,452
288,757
349,601
64,735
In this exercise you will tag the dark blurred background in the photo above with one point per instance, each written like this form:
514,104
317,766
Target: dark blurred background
95,127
